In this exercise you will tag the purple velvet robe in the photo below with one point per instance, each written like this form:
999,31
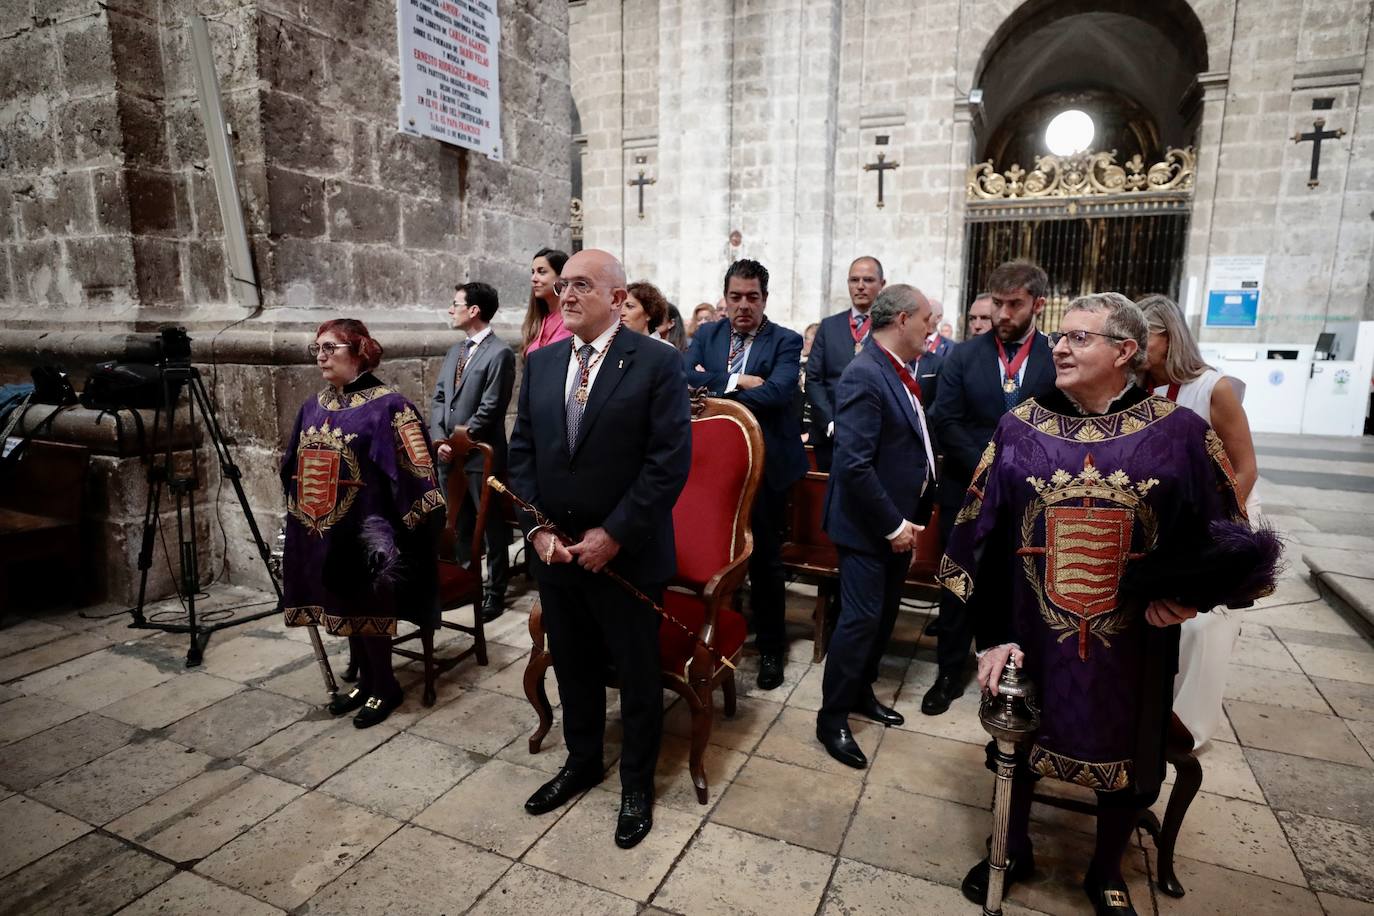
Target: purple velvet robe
360,492
1059,505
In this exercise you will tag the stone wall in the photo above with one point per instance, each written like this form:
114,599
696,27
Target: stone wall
109,220
766,112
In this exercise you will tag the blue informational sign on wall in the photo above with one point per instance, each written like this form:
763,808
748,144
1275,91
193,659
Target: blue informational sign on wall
1238,308
1234,284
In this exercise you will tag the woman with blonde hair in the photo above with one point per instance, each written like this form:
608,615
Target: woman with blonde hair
1175,369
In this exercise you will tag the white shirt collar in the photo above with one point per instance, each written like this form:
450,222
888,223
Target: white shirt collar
855,313
479,336
600,343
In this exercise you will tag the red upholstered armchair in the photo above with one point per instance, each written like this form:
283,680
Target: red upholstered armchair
711,529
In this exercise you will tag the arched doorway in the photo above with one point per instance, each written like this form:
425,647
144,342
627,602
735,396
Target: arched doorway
1105,207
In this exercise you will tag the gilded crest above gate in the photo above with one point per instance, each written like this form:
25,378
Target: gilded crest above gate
1083,175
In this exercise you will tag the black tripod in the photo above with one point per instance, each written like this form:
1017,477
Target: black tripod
176,375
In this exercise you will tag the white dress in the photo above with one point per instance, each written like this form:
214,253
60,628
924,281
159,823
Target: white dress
1207,640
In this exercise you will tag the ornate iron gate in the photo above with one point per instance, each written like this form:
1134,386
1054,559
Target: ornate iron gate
1092,224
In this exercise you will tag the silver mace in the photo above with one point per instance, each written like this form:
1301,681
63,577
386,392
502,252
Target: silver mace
1010,717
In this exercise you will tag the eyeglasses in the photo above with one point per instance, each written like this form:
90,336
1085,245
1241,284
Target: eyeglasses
579,286
329,348
1079,339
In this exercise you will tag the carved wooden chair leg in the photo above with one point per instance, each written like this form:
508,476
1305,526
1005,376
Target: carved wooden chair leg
427,641
538,696
728,688
701,732
1187,781
818,625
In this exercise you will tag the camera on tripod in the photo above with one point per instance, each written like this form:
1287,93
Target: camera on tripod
168,347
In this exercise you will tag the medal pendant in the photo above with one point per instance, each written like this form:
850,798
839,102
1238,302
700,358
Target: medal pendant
858,348
581,395
1009,386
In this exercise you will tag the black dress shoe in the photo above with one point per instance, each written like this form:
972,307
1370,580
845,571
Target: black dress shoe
376,709
770,670
492,608
1109,898
975,886
344,703
872,709
944,691
840,744
636,819
567,784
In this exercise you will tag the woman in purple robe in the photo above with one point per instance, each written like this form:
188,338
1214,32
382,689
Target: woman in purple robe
361,495
1098,520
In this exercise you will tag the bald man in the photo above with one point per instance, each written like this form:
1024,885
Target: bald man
838,340
602,445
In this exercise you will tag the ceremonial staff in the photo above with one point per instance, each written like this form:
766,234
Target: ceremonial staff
1010,717
543,521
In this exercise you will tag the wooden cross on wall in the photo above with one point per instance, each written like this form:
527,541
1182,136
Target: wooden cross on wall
640,183
882,165
1317,136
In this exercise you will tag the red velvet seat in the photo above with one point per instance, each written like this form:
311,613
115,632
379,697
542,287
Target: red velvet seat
711,530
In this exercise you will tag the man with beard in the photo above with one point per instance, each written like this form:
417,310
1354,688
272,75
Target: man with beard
979,382
839,338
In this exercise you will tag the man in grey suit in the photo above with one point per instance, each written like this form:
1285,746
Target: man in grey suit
474,392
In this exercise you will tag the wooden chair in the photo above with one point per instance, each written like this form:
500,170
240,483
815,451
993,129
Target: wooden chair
40,507
460,584
711,528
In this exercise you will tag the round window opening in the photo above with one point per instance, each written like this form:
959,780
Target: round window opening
1069,132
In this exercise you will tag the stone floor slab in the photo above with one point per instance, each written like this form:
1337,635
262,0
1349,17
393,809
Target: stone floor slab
925,764
171,701
958,723
247,658
480,721
673,787
766,876
1349,699
237,722
1061,858
310,751
1236,834
1275,688
487,809
1336,664
199,816
97,679
1311,613
49,655
1316,787
503,673
105,788
1264,653
33,830
857,888
188,894
92,876
412,873
741,732
789,803
792,739
916,834
287,858
527,891
553,753
1344,906
1225,771
1223,892
580,847
37,758
26,634
1291,731
1334,854
25,716
402,777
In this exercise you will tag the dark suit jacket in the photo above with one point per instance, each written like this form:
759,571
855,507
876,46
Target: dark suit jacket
880,463
970,403
775,355
928,377
631,460
481,401
831,352
943,345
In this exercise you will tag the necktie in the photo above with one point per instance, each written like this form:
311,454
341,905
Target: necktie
463,355
575,406
738,342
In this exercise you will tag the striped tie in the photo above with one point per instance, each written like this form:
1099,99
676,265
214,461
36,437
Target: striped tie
738,342
462,363
575,407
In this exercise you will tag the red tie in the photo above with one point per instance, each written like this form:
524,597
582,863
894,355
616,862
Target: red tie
904,374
